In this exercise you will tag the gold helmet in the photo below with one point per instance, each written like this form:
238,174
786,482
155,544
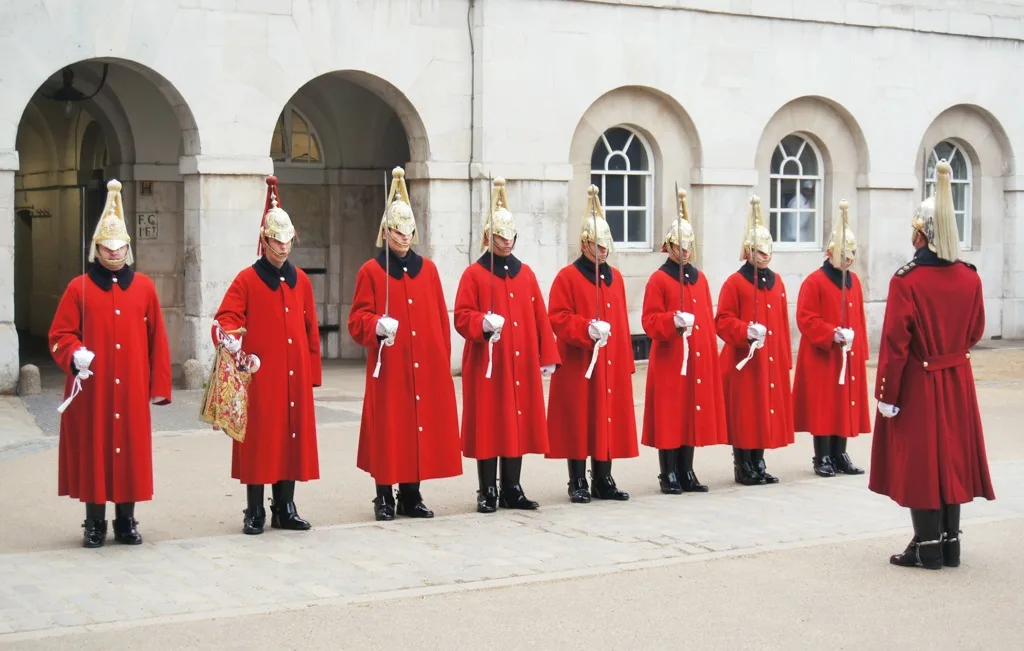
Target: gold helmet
398,211
680,232
504,222
276,223
594,220
111,231
935,217
756,236
843,240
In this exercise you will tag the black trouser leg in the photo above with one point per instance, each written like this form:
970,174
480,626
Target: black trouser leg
686,459
487,494
124,511
668,463
254,496
512,495
283,492
687,478
386,492
951,535
511,471
255,513
579,490
95,511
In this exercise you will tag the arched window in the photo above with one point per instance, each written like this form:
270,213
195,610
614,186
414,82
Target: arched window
961,182
294,140
621,167
797,189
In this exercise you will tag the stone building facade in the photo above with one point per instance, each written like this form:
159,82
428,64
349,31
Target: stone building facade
190,103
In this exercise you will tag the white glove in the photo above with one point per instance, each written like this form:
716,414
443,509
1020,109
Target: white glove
888,411
231,344
683,320
546,371
599,331
82,358
756,332
387,328
843,336
494,323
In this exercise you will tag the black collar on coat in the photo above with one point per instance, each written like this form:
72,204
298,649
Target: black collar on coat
587,267
503,265
928,258
272,276
104,278
836,275
767,276
690,273
412,261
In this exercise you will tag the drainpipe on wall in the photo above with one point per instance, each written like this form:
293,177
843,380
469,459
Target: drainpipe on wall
470,15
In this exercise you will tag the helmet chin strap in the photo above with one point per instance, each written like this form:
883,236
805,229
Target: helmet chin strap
113,265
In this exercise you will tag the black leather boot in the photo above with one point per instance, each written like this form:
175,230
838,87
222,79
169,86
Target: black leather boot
687,478
579,490
512,495
925,549
743,469
410,502
842,461
95,526
951,535
668,461
822,458
384,503
125,531
487,494
282,508
255,516
757,459
602,485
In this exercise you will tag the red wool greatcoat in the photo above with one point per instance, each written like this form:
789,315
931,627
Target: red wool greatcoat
592,417
106,446
757,397
410,426
821,405
682,409
504,415
933,451
276,308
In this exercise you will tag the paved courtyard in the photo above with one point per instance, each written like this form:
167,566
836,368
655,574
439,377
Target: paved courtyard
198,578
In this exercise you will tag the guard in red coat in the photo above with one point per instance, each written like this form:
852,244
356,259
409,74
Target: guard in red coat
108,336
830,390
753,321
273,301
590,404
410,426
502,392
928,452
684,407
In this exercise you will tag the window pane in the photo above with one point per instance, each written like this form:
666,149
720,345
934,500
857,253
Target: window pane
773,226
960,195
595,179
790,197
617,138
960,226
809,161
277,141
300,146
637,195
314,149
614,218
776,188
597,158
944,150
637,156
807,226
776,162
637,231
617,163
614,189
787,230
930,169
959,165
791,144
792,167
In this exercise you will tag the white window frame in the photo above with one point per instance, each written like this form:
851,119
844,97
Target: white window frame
930,180
648,207
777,178
285,118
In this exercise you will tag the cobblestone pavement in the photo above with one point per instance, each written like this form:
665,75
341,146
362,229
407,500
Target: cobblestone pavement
76,590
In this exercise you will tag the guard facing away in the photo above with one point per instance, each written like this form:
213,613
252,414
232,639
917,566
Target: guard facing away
928,450
410,423
684,406
590,404
108,336
753,321
499,310
830,389
273,301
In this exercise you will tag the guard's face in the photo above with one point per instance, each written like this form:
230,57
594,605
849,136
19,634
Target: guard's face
602,252
277,252
112,258
501,245
763,259
680,255
847,263
398,242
